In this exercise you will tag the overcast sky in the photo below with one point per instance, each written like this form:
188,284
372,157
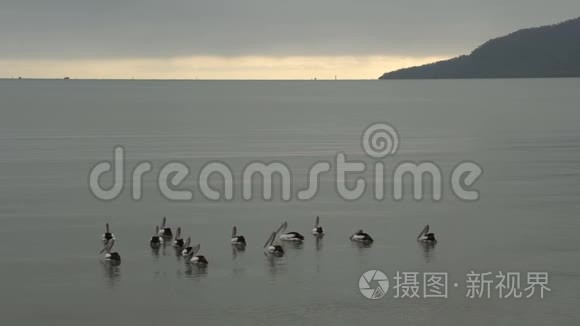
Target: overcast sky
35,30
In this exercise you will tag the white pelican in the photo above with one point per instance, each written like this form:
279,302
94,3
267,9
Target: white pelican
271,248
165,231
198,259
317,228
107,235
114,256
178,242
156,239
290,236
238,240
425,236
188,251
361,237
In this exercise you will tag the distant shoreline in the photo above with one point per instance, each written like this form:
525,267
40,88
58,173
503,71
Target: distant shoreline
289,80
550,51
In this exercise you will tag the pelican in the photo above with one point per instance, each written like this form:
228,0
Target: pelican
425,236
272,249
198,259
238,240
361,237
188,249
317,228
107,235
165,231
114,256
178,242
156,239
290,236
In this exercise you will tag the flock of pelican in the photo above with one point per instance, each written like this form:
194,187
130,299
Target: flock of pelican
271,247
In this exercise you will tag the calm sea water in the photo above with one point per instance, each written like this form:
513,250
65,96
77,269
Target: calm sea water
524,133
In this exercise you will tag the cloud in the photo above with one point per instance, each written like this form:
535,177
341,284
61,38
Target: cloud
180,28
261,39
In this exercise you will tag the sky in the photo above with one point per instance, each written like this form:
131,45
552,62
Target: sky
252,39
